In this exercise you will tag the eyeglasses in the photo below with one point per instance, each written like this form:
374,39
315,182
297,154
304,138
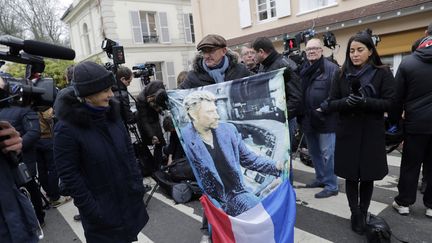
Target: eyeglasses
315,48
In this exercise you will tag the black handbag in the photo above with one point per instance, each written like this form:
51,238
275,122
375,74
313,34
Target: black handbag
377,230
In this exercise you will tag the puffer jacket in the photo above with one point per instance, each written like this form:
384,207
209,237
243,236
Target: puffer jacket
97,165
414,92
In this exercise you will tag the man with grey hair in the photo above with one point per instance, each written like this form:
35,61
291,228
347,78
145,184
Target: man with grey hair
216,151
319,128
247,54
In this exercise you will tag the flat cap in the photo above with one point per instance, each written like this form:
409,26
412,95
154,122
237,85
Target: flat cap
211,41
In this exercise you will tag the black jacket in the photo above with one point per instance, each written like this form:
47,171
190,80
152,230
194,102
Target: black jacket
314,94
26,122
122,95
97,165
199,77
292,82
18,222
414,92
148,121
360,135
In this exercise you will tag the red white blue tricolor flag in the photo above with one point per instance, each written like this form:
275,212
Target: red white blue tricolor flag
270,221
235,136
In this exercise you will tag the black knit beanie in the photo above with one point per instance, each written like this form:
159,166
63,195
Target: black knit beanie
90,78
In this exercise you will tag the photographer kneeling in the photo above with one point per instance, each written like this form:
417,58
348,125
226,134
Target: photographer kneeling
150,103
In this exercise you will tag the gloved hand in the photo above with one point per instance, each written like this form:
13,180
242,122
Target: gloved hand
355,100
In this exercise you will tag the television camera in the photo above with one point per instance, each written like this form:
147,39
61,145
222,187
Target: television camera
32,90
144,72
115,52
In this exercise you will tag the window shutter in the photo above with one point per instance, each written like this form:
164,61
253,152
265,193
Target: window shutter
136,27
187,28
283,8
244,13
163,26
171,75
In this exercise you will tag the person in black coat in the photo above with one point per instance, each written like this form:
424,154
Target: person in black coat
95,159
414,97
364,91
18,222
319,129
124,78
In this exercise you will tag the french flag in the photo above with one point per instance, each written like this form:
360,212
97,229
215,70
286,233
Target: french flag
271,221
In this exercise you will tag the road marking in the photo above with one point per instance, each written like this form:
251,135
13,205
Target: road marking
336,205
389,182
306,237
68,210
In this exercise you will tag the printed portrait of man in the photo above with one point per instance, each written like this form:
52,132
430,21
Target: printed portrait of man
217,152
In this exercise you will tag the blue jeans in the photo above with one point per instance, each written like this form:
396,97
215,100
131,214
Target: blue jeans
321,148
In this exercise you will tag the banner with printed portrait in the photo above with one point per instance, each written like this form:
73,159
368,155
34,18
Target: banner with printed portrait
235,135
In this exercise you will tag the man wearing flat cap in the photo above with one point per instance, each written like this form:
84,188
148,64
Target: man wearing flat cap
214,64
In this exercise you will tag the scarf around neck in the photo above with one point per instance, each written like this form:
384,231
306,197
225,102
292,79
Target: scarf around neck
218,73
365,76
309,72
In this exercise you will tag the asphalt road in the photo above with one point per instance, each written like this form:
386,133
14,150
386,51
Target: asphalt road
318,220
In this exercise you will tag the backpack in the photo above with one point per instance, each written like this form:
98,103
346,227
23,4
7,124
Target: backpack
181,192
377,230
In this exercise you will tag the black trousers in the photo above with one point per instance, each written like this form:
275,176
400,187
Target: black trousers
36,199
417,149
356,190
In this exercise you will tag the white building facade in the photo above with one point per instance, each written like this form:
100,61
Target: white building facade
160,32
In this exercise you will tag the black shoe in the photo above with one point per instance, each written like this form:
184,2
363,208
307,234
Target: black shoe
77,217
315,184
423,187
326,193
358,222
147,188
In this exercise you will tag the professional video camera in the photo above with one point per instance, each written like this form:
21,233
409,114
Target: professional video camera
115,52
144,71
32,90
375,38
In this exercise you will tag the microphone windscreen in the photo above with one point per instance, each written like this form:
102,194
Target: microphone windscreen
355,85
48,50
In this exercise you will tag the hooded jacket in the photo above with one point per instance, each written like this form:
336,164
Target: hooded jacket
414,92
199,77
96,163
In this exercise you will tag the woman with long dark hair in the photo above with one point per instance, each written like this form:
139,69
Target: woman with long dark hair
361,95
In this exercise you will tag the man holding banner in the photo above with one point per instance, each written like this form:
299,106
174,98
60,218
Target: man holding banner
216,151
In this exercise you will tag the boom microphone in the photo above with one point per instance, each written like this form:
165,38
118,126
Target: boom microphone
48,50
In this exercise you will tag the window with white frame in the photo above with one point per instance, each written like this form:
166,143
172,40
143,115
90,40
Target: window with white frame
266,10
149,27
311,5
189,28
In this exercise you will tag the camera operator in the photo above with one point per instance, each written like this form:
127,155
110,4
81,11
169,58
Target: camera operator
18,222
26,122
124,78
149,108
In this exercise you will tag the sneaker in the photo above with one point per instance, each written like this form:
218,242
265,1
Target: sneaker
315,184
326,193
401,209
429,212
62,200
205,239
